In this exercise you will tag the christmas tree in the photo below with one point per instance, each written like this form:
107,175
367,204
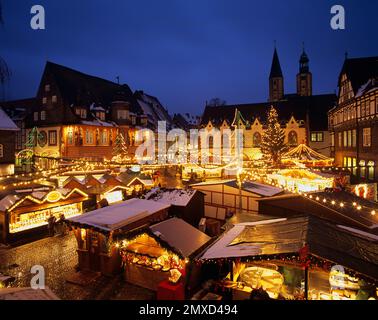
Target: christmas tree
32,138
119,149
273,140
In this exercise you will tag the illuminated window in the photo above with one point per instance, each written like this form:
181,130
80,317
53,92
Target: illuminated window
293,138
52,138
47,88
362,168
100,115
43,115
366,137
340,138
88,136
354,138
81,112
256,139
70,137
104,137
1,151
122,114
54,99
371,170
349,138
44,100
317,137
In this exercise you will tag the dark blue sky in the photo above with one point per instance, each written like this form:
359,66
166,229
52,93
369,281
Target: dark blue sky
186,51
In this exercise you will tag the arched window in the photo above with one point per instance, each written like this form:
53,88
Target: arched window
256,139
293,138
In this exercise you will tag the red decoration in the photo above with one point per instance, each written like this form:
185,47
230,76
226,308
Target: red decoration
169,291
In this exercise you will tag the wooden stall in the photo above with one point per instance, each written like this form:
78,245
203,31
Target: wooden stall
160,258
25,212
297,258
96,231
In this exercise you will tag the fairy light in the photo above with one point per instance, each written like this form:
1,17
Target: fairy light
341,204
373,212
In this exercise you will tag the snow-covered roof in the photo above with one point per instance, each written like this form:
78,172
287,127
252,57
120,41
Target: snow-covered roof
97,122
119,215
176,197
8,201
6,123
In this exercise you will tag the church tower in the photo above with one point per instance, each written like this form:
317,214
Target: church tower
304,77
276,83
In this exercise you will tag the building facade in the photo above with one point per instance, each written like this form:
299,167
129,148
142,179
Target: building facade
302,114
353,123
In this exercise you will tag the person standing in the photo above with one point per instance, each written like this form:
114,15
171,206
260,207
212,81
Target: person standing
51,225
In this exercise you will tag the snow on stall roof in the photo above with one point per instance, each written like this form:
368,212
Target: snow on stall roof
119,215
8,201
6,123
261,189
176,197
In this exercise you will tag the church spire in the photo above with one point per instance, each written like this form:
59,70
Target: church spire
276,87
275,70
304,77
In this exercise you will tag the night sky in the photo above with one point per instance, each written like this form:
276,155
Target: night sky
186,51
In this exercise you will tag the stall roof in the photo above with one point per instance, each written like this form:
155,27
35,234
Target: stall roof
249,186
119,215
176,197
180,235
325,240
294,204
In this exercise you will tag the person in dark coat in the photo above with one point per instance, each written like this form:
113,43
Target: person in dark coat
51,225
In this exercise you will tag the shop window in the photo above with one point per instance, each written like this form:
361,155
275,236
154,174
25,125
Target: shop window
88,137
362,169
366,137
70,137
371,170
52,138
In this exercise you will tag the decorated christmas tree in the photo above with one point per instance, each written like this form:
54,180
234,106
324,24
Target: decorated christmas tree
32,137
273,140
119,149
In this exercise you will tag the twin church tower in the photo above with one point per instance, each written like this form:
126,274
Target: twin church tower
276,79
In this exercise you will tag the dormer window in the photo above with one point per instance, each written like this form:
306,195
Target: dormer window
81,112
100,115
122,114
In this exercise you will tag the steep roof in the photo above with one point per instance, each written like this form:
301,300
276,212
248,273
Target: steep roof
78,88
6,123
275,70
291,105
360,70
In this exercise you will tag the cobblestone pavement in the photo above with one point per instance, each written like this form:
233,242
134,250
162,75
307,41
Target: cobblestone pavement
59,258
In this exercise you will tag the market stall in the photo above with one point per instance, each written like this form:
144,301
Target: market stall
302,180
298,258
160,258
26,211
96,231
304,155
